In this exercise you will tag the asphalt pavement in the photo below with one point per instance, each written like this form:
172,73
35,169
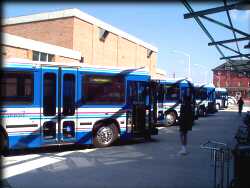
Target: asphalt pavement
136,163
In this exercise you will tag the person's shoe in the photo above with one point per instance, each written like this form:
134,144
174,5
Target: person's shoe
183,151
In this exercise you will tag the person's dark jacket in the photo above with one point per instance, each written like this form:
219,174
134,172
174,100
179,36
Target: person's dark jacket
240,103
186,117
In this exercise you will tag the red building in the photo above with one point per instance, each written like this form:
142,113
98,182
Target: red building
235,77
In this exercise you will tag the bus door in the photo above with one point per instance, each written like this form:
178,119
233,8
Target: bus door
58,105
68,105
137,101
154,92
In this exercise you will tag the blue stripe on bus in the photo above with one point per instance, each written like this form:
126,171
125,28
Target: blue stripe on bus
70,117
35,140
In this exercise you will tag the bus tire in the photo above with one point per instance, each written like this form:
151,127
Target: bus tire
217,107
171,118
147,136
105,135
3,143
202,111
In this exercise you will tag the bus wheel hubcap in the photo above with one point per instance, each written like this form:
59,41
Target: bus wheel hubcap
170,118
105,135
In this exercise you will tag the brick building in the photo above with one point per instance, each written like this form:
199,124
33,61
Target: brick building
23,48
97,42
236,82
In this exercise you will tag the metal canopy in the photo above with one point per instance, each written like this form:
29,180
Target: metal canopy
222,45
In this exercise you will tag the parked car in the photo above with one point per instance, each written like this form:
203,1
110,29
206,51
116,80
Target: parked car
232,100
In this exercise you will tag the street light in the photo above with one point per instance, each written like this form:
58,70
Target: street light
186,54
206,72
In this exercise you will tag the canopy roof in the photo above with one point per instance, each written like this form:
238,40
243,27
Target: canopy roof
242,64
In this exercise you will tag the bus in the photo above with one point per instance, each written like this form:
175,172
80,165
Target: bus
49,103
170,94
205,98
221,95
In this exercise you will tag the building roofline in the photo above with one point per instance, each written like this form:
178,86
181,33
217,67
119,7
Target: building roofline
78,14
232,63
21,42
21,61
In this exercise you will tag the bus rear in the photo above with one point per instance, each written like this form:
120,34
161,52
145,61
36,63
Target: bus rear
221,95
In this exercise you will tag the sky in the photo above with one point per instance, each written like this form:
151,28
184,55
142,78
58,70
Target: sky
162,25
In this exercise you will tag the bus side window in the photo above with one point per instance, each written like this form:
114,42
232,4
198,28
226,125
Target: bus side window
103,90
49,94
17,88
68,94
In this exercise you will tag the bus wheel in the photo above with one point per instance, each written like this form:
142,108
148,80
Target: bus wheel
171,118
147,136
202,112
217,107
3,143
105,136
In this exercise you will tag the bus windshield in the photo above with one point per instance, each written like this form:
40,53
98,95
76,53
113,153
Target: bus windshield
200,93
172,92
221,95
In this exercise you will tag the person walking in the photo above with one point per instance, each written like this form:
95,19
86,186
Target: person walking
240,105
185,122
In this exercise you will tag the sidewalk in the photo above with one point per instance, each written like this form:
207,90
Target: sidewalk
246,108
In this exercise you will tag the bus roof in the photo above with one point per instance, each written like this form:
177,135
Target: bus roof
25,63
210,85
181,81
221,89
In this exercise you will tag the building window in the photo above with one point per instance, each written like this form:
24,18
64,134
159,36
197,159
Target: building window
43,57
40,56
35,56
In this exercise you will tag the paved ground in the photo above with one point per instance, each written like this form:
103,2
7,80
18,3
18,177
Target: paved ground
134,164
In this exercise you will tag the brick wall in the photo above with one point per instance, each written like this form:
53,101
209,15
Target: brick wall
65,59
58,32
82,36
114,51
12,52
83,39
126,53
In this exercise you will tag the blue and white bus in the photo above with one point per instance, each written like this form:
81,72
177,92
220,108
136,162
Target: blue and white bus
60,103
170,94
205,98
221,95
